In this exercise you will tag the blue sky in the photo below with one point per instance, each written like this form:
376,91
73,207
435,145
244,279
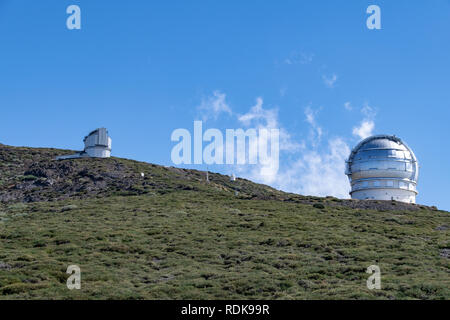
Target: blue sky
145,68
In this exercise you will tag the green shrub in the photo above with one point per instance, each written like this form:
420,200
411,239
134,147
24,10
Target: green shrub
17,206
17,288
29,177
69,207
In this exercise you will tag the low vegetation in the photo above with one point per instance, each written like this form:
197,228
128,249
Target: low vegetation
172,235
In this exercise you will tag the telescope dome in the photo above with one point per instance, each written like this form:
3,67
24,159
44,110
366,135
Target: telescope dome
383,168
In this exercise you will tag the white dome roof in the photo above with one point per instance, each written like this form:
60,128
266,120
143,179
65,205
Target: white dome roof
382,156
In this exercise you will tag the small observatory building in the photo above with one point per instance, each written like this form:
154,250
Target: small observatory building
97,144
383,167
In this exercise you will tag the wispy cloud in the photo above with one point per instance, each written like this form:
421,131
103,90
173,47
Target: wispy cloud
311,166
213,106
315,132
348,106
318,173
299,57
365,129
312,169
258,114
317,170
368,111
330,81
259,118
367,125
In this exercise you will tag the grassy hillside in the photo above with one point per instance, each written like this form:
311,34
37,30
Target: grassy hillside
172,235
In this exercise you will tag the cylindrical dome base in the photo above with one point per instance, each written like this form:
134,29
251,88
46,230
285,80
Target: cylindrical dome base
98,152
385,194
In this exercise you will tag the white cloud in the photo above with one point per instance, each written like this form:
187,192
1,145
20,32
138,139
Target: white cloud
348,106
315,133
367,125
311,170
368,111
318,173
329,81
260,118
312,166
299,57
213,106
310,116
258,114
365,129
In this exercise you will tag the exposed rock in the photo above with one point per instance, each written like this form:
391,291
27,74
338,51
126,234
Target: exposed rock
445,253
31,175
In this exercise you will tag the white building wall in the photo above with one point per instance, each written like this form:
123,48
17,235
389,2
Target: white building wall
98,152
385,194
98,144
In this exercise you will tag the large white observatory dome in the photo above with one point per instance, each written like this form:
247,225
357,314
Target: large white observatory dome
383,168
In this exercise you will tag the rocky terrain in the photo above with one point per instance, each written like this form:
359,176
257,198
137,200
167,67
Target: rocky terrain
30,175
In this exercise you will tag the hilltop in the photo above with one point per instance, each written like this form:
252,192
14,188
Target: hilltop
144,231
